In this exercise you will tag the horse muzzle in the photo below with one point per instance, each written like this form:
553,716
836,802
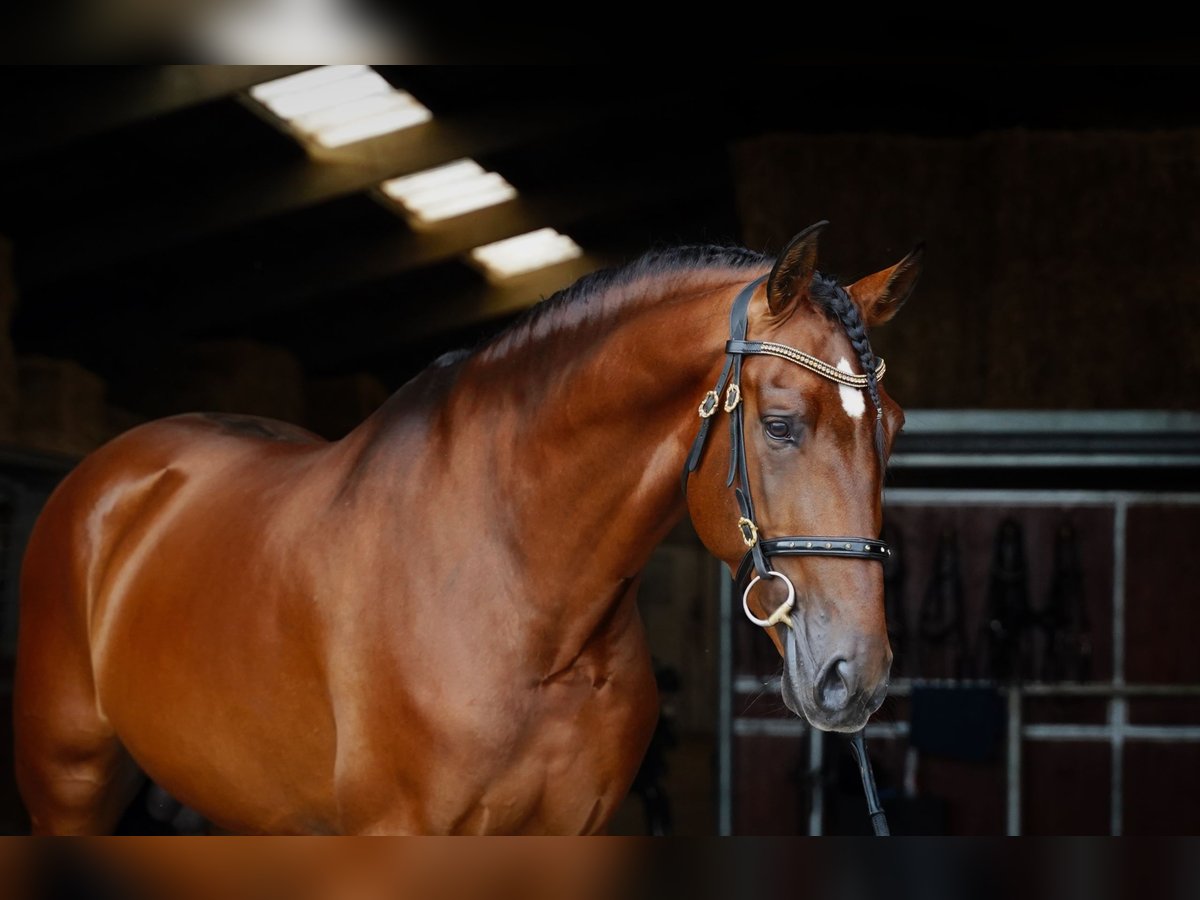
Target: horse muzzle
835,694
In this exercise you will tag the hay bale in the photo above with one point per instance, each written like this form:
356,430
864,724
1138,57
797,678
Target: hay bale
1061,270
62,406
1091,298
337,405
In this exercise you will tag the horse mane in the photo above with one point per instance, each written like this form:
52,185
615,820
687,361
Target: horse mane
659,263
574,304
835,302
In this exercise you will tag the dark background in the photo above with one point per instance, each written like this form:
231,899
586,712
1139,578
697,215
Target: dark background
164,248
151,212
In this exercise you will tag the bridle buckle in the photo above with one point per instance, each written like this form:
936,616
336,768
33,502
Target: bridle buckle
733,396
749,531
709,404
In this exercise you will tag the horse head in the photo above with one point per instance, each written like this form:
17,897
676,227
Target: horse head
808,440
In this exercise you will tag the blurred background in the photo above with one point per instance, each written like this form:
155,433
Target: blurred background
296,242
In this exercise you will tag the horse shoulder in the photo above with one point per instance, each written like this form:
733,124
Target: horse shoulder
119,497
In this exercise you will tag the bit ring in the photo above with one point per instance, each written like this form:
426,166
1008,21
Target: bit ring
782,613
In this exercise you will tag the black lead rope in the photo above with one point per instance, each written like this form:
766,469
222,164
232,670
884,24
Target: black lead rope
858,746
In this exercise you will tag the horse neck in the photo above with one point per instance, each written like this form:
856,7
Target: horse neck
587,423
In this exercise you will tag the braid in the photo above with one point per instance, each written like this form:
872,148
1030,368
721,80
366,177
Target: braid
838,303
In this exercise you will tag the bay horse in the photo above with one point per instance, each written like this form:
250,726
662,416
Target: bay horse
429,626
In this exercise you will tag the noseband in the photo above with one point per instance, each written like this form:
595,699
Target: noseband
760,549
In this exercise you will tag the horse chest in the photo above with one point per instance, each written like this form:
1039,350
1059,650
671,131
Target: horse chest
558,756
578,752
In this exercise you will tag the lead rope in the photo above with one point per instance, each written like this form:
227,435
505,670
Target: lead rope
879,824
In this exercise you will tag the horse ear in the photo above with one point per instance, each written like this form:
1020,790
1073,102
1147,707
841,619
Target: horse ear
794,269
881,295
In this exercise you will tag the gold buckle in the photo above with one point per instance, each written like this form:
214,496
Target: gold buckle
733,396
709,404
749,531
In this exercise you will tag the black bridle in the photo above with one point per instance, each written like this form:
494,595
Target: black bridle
760,549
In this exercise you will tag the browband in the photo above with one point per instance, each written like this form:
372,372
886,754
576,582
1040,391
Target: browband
800,358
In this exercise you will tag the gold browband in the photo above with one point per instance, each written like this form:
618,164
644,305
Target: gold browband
822,368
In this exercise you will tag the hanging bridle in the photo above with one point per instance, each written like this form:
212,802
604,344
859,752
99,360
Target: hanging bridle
760,549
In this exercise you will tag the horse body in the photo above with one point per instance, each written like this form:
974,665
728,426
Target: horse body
430,625
385,633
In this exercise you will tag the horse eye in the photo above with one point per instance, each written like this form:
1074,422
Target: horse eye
779,430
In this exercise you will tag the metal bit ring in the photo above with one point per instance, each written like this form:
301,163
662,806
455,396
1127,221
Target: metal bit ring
782,613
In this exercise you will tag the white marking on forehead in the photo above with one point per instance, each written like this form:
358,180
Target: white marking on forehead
852,398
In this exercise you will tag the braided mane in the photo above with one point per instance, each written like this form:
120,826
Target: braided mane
833,300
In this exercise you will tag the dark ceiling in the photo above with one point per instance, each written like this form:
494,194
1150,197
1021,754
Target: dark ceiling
150,205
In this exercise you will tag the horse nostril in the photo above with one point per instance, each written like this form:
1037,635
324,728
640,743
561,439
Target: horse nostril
834,688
